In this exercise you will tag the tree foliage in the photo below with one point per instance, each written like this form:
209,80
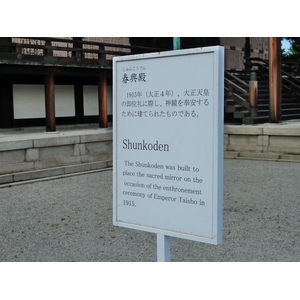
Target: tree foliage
293,53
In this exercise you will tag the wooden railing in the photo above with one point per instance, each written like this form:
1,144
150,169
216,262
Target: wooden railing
292,68
75,52
290,75
291,78
237,92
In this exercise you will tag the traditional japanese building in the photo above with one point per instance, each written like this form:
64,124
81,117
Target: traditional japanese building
50,81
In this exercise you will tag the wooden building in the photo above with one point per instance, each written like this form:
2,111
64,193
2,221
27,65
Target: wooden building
50,81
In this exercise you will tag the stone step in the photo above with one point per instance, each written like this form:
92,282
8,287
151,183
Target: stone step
255,120
49,173
261,156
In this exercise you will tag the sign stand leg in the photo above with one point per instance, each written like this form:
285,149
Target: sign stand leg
163,248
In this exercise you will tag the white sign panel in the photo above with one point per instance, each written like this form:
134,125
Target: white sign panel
168,143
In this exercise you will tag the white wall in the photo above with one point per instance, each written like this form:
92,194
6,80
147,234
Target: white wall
29,101
90,100
64,101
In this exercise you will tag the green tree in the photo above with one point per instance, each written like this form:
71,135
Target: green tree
293,53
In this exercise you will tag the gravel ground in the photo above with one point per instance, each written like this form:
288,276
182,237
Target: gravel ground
70,219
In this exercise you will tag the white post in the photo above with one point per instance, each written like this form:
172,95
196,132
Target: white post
163,248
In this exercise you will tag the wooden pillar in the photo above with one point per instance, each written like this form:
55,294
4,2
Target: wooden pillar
50,102
103,120
48,50
275,79
253,93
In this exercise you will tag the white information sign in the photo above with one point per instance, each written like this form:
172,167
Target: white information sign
168,143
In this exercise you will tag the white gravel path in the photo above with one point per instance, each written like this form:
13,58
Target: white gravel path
70,219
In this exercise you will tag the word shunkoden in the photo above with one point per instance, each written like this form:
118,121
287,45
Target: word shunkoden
145,146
